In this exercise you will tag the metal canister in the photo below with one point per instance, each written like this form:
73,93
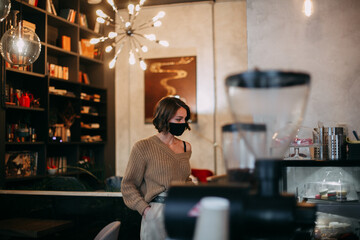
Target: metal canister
318,140
335,141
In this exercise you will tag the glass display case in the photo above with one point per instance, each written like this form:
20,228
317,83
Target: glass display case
335,188
331,226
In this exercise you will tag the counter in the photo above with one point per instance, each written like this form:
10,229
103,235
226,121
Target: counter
62,193
88,213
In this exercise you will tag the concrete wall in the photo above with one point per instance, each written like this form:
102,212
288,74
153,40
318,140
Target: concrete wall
232,36
191,29
326,45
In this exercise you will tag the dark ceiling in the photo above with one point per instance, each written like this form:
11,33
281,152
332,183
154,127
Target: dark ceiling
123,3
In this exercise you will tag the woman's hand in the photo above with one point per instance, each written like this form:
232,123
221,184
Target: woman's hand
146,210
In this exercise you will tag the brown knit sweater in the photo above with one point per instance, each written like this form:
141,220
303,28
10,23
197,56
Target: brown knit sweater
152,167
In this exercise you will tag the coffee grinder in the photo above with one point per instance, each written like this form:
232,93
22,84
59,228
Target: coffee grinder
276,101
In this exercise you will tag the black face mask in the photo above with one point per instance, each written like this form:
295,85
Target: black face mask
177,129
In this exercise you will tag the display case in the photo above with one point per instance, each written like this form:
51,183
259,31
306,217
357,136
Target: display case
335,188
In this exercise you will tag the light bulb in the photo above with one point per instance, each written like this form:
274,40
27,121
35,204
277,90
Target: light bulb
127,24
94,40
20,46
108,49
131,9
100,13
112,63
93,1
157,23
151,37
112,35
132,59
5,6
143,65
144,48
161,14
142,2
100,20
111,2
164,43
308,8
137,8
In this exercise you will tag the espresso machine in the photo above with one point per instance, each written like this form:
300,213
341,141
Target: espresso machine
273,103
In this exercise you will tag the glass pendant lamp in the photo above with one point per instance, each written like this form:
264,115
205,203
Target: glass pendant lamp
20,46
5,6
275,100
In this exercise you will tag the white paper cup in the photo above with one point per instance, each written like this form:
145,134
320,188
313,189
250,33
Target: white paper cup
213,221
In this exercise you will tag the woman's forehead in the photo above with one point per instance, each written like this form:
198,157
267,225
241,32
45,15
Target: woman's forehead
181,112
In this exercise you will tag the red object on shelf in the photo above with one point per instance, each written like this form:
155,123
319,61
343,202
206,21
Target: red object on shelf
25,99
201,174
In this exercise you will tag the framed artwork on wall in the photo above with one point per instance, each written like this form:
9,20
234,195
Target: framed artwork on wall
175,76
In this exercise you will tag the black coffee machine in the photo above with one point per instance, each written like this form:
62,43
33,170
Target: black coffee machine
275,100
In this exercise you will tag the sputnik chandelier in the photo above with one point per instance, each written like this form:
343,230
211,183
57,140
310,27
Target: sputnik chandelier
129,32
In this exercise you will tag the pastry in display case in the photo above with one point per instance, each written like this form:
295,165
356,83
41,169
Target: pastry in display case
330,191
332,186
335,227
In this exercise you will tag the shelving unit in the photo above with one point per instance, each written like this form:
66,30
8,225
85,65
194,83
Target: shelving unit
45,116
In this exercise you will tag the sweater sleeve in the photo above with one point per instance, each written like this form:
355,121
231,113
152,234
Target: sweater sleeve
133,177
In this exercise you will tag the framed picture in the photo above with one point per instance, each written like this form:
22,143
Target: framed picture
174,76
20,163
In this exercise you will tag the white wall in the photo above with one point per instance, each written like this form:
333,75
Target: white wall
267,34
326,45
190,31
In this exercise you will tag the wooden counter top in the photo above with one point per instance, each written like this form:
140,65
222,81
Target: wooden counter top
31,227
62,193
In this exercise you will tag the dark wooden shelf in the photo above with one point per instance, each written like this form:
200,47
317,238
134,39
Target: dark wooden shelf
30,6
60,80
59,21
92,102
62,143
86,87
23,178
90,60
55,50
320,163
91,116
92,143
13,107
92,129
62,96
24,143
25,72
89,32
75,143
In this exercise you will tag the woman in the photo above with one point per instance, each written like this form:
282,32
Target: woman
155,163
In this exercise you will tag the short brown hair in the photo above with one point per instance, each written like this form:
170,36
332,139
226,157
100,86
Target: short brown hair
165,109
